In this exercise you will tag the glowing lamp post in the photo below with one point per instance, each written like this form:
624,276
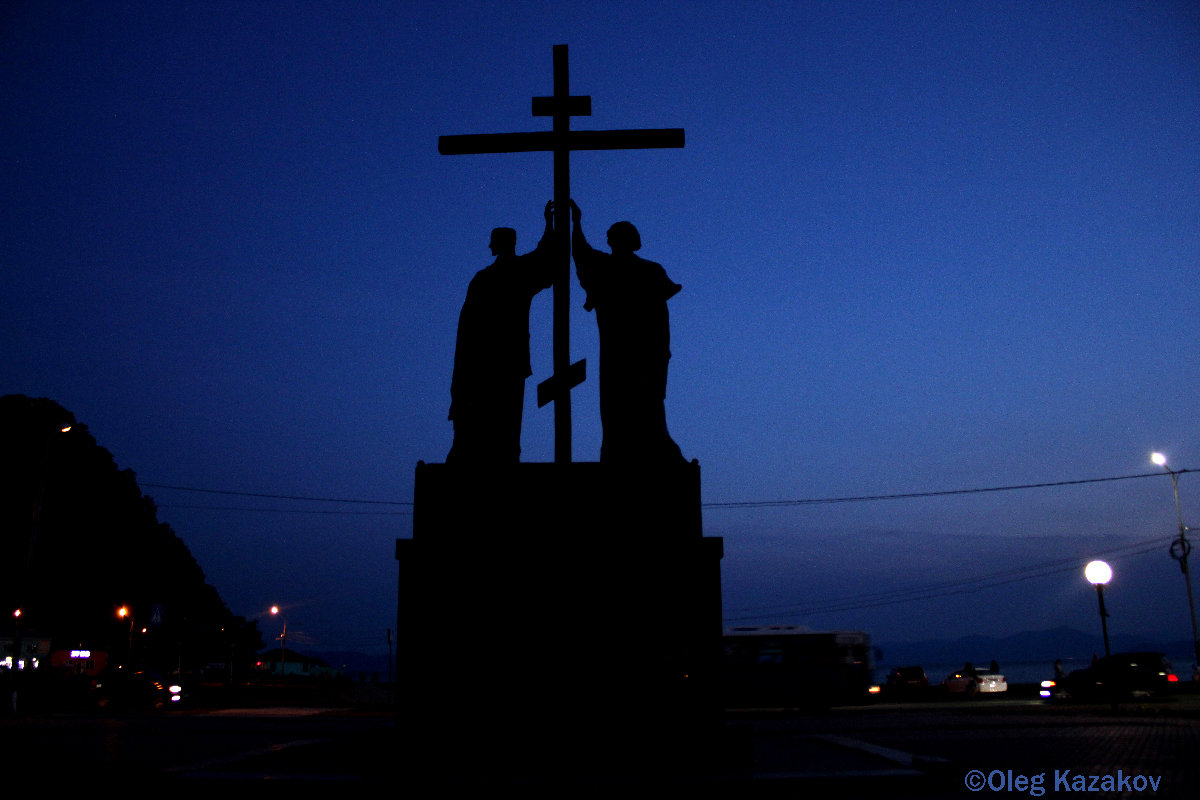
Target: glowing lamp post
1181,548
124,613
282,642
1098,573
12,663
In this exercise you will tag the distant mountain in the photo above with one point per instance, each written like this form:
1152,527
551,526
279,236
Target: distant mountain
357,665
1029,646
1048,645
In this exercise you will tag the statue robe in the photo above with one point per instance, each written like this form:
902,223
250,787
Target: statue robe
629,295
491,357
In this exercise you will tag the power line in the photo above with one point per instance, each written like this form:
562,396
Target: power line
279,496
914,495
892,597
726,505
946,589
289,510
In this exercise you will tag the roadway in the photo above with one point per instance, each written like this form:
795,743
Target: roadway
959,749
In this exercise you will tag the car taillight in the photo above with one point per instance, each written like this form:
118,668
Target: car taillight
1172,677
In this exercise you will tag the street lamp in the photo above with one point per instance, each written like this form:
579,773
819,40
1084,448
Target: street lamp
1098,573
1180,549
12,662
282,643
122,613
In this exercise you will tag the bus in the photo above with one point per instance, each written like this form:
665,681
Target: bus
790,666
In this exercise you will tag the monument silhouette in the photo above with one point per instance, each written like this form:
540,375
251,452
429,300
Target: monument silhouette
563,620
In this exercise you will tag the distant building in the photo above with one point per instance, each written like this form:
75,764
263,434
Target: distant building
791,666
34,652
289,662
80,661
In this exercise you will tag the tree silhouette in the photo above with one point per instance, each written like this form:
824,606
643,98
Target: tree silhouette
80,541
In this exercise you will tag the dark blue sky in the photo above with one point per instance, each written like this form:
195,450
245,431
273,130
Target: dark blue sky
924,246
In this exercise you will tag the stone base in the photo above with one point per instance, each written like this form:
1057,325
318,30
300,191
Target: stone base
555,619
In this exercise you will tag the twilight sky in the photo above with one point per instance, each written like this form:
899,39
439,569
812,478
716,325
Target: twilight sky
925,246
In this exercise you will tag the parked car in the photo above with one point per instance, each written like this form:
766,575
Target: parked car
134,690
1116,677
906,682
979,681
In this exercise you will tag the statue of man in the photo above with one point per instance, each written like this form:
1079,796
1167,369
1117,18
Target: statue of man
491,357
629,295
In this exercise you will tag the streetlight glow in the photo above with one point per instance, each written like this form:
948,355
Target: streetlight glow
282,643
1180,549
1098,573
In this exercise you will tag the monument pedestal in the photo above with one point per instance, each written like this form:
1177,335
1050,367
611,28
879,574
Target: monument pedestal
558,620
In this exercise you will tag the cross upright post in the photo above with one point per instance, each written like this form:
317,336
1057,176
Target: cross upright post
559,388
561,140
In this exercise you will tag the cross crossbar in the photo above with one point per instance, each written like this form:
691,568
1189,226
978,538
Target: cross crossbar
538,141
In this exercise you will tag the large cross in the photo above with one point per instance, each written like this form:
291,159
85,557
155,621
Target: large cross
561,141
